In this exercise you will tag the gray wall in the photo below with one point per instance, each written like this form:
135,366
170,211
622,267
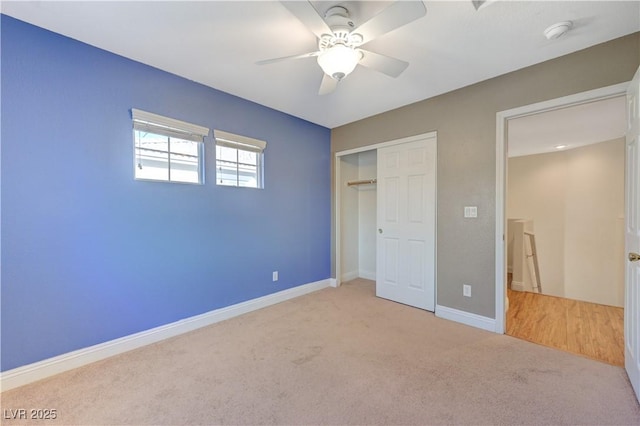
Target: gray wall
465,120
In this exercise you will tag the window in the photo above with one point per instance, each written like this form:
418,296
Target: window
239,160
166,149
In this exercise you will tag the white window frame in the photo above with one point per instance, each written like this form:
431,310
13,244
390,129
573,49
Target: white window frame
242,143
171,128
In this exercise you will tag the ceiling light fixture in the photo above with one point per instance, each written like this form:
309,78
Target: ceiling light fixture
338,61
558,30
561,146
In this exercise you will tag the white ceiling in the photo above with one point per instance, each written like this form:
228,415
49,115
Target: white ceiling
571,127
217,43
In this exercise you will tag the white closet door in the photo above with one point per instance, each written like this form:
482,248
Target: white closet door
406,217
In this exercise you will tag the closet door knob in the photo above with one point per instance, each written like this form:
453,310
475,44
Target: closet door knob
379,230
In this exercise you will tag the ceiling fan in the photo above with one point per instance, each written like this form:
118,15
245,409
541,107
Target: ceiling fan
339,40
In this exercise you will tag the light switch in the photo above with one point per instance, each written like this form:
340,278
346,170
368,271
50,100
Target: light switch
470,211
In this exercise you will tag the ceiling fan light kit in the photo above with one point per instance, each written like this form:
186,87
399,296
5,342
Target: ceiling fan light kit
339,40
339,61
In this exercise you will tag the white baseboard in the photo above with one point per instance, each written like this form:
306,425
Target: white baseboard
333,282
367,275
348,276
517,286
42,369
467,318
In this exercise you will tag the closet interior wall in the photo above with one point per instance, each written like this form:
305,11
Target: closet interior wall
358,216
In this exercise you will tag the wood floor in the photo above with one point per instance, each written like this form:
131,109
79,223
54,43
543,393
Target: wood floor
588,329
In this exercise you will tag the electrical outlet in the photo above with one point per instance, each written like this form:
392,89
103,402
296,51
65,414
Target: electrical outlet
275,275
466,290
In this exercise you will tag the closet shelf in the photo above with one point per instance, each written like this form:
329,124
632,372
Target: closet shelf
362,182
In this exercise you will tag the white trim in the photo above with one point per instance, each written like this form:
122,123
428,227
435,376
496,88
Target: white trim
333,283
39,370
517,286
501,224
336,220
501,158
467,318
352,275
421,136
367,275
348,276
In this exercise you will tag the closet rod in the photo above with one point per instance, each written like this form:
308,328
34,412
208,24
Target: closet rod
362,182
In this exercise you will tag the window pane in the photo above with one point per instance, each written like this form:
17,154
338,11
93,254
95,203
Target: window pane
152,158
226,173
247,176
184,161
224,153
236,167
160,157
181,146
247,157
152,141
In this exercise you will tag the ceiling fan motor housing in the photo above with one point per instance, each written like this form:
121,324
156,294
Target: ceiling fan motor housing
337,18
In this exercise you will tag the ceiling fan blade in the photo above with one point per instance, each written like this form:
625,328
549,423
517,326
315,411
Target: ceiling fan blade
328,85
307,14
385,64
285,58
478,3
481,4
398,14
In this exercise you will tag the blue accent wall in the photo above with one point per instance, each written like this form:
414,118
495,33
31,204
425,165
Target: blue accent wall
88,253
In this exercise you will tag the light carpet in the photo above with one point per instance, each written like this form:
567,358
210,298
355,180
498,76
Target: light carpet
337,356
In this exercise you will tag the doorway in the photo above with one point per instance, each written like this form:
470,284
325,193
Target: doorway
356,211
502,120
565,215
569,325
565,202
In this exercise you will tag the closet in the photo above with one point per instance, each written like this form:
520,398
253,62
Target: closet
386,216
358,215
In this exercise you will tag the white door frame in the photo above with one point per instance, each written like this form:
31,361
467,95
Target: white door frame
502,118
338,191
